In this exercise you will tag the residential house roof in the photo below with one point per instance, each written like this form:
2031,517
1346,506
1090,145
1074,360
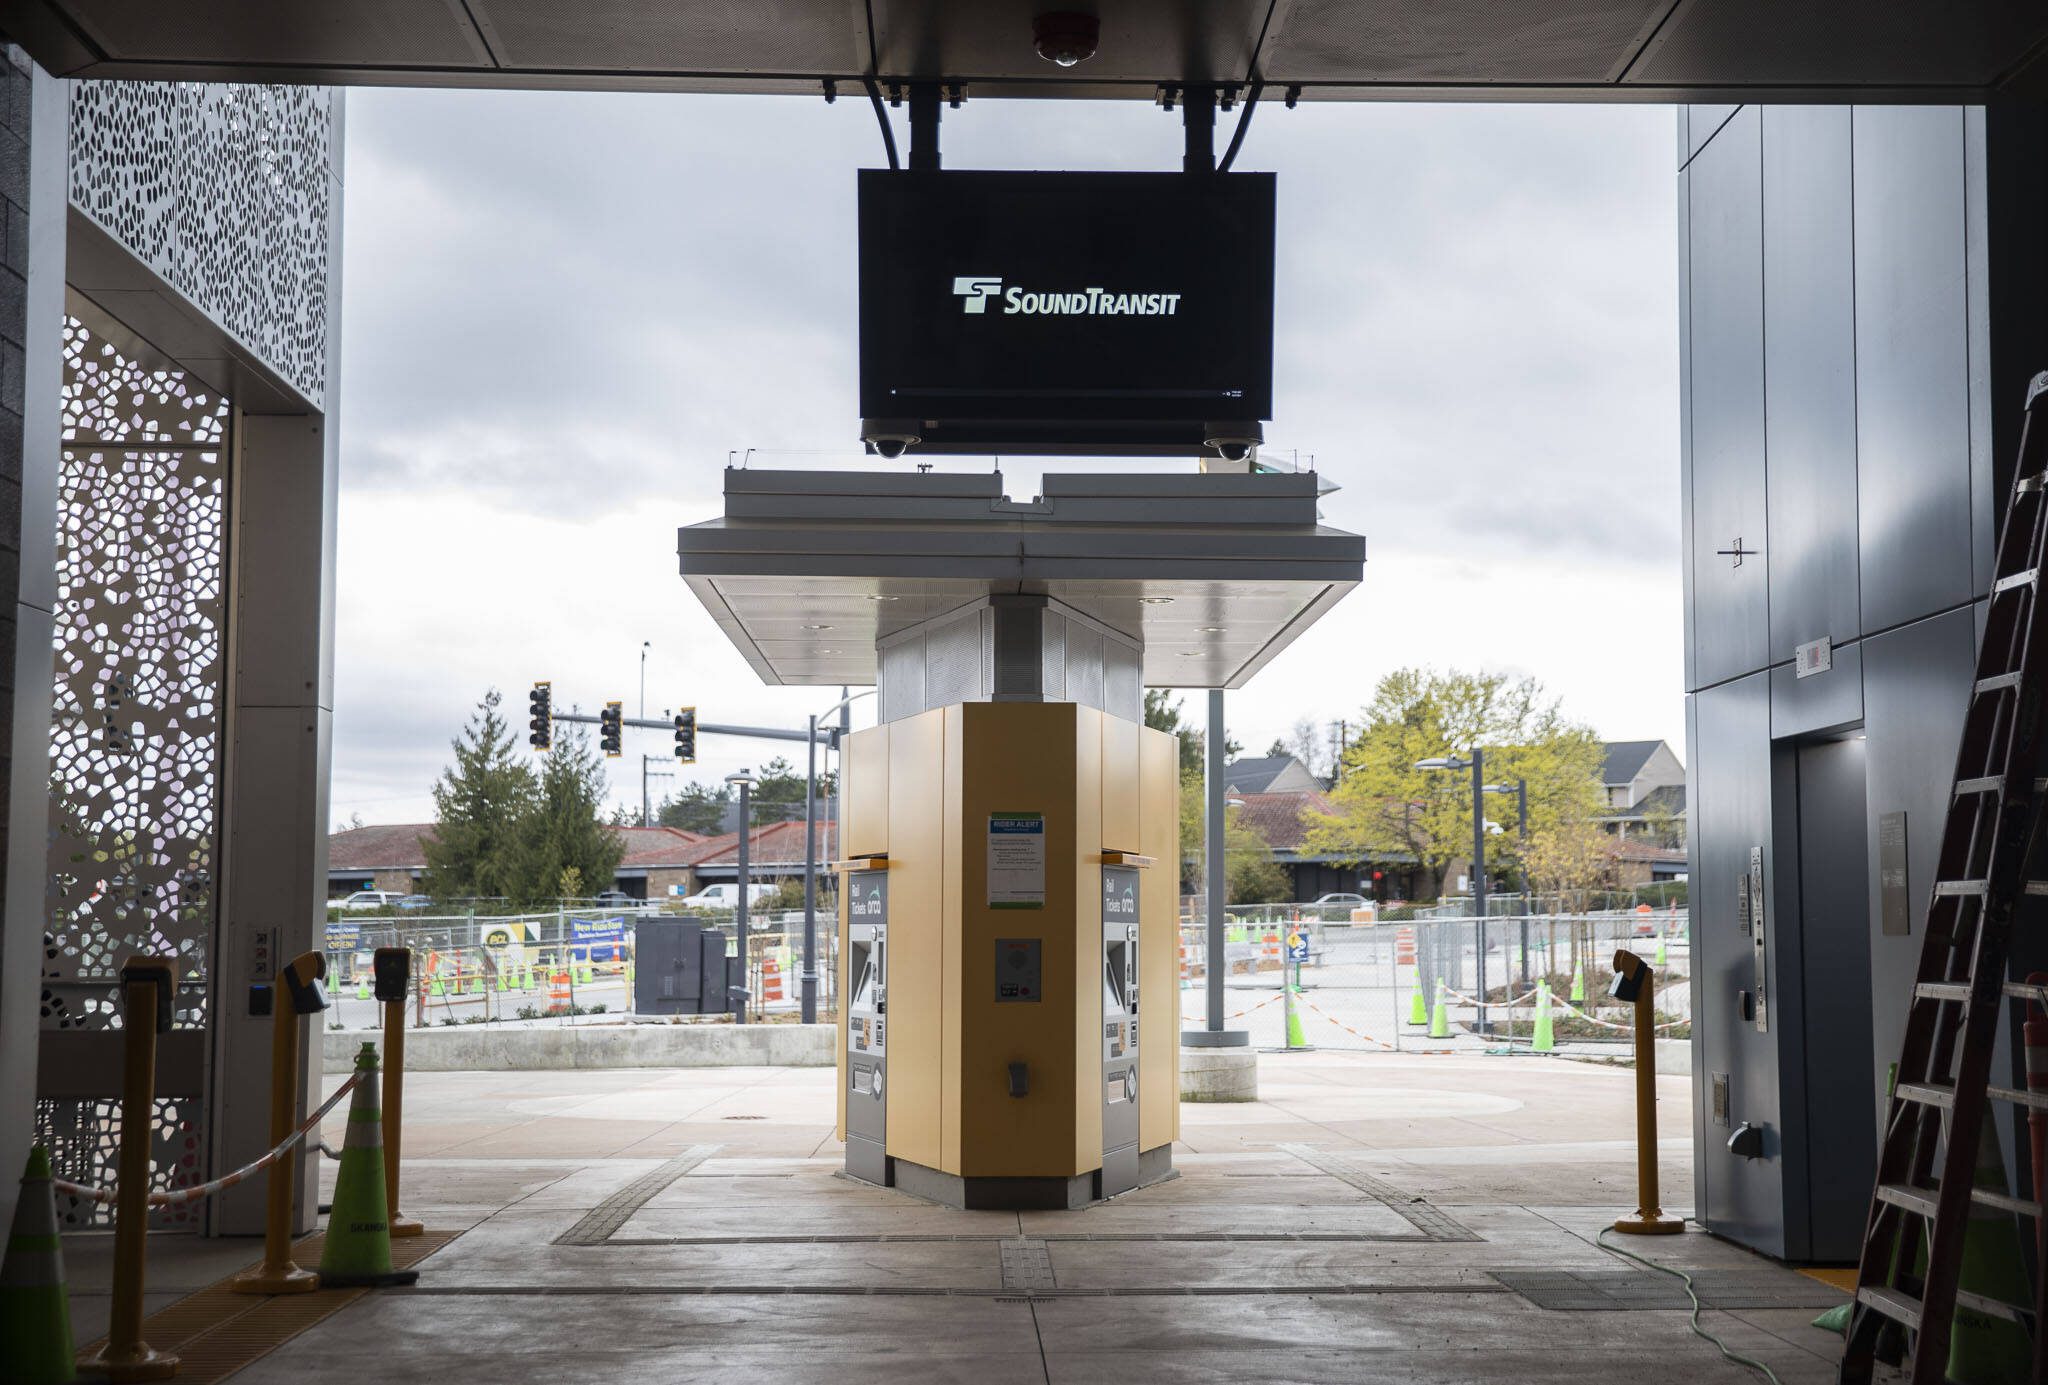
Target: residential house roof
769,845
1625,760
1281,818
655,847
397,846
1267,774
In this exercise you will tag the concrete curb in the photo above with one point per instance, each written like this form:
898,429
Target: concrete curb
495,1048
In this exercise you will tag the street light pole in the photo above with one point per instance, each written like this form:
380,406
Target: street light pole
1522,867
808,980
745,782
1479,870
646,817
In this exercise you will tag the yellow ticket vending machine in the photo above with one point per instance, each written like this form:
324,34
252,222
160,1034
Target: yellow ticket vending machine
1008,899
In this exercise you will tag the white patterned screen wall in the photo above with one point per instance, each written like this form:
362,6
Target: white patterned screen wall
222,190
135,737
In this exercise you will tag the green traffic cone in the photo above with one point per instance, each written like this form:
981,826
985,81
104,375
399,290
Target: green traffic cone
1418,1011
1984,1349
35,1315
362,988
1543,1042
357,1250
501,980
1660,954
1579,986
1295,1037
1439,1022
435,987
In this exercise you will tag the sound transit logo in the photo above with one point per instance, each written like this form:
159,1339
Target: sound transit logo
975,291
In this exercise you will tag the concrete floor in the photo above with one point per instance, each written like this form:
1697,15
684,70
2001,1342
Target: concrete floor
1349,1226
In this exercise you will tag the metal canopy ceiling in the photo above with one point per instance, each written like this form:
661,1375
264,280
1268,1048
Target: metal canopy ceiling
1213,574
1550,49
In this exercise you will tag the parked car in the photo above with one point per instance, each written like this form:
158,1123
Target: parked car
727,896
370,901
616,897
1341,901
413,903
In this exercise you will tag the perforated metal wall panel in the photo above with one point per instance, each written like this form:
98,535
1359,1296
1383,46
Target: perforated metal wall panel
1053,657
952,662
899,679
1084,665
1123,688
135,738
224,191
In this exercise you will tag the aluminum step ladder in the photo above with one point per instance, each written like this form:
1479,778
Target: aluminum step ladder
1990,849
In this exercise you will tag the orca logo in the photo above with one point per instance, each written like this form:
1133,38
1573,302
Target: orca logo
977,290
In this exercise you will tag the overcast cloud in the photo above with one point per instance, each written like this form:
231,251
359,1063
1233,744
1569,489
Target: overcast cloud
562,311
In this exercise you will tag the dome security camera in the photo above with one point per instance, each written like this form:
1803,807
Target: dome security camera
1066,38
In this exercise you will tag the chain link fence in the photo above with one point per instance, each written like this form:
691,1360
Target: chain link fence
1430,984
568,966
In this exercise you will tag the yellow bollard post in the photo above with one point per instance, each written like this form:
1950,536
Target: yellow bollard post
146,990
1635,982
393,967
296,993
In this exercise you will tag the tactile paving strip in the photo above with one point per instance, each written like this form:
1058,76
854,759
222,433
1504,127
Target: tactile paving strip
1432,1222
608,1216
1606,1291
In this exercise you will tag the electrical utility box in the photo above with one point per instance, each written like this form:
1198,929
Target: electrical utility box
680,968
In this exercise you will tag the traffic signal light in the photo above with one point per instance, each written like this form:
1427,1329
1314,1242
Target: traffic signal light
610,730
541,719
686,735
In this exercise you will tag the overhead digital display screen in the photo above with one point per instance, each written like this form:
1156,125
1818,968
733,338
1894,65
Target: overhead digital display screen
1053,297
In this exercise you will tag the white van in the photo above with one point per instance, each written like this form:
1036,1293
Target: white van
727,896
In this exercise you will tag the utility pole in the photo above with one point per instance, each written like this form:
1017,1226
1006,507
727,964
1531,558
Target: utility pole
645,816
1479,870
741,993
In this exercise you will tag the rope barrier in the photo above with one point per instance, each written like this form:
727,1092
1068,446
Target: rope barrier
1189,1019
178,1197
1354,1033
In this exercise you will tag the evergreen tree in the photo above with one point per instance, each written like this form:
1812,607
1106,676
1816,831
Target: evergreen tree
479,802
562,835
697,808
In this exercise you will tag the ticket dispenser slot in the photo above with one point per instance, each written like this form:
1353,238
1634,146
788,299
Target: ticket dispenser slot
867,1010
1119,1030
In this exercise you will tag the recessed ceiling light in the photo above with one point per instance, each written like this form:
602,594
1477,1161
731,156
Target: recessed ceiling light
829,651
1194,654
817,627
876,596
1156,600
1214,630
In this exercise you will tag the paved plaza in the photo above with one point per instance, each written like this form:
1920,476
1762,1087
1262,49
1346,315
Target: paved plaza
685,1225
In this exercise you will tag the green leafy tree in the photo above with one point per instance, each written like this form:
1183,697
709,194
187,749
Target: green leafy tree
1250,874
1383,804
562,832
479,804
697,808
1163,713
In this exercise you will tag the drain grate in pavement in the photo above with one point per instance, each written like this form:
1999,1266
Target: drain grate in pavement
1607,1291
1027,1266
1432,1222
608,1216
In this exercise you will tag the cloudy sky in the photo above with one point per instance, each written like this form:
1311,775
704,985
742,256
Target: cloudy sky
563,311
